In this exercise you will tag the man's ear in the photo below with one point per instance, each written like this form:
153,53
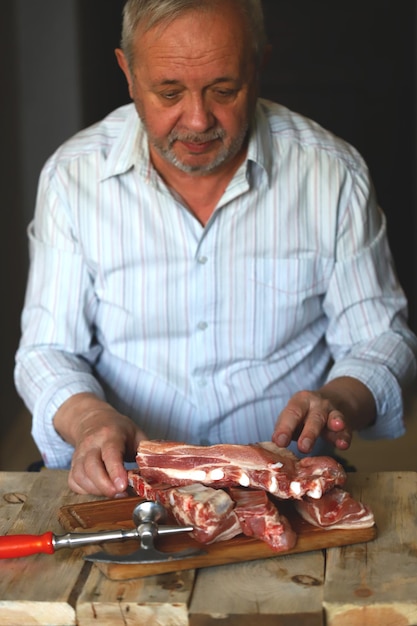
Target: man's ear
124,66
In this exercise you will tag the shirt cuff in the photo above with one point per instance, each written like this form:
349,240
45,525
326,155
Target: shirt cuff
57,453
387,394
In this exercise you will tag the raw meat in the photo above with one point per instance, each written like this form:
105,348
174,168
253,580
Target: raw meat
210,511
259,518
222,490
261,466
335,509
317,475
217,515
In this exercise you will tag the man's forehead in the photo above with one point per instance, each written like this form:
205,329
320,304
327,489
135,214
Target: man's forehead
198,29
188,44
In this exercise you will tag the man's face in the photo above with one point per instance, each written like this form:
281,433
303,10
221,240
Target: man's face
193,86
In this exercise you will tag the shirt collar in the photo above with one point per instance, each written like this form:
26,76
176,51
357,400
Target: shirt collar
131,147
260,141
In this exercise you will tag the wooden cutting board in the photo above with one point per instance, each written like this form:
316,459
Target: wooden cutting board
117,514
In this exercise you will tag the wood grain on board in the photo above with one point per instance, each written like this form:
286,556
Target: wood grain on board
113,514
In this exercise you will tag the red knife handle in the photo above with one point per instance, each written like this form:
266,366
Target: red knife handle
12,546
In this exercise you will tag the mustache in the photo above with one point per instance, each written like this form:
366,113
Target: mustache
189,137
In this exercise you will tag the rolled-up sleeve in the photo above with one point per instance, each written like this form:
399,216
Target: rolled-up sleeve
56,351
368,333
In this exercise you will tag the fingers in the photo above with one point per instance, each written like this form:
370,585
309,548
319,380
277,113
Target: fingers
291,420
328,423
103,439
97,466
308,416
304,418
97,472
337,431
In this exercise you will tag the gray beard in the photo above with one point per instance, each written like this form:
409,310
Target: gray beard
225,154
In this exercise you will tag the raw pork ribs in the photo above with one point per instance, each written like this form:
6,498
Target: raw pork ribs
261,465
228,489
209,511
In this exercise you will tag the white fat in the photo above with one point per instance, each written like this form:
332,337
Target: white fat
316,492
198,476
244,480
276,465
295,488
216,474
273,485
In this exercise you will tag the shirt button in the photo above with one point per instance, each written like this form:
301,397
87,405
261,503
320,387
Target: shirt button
202,325
202,260
202,382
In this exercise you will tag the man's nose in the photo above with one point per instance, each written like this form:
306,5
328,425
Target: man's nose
196,114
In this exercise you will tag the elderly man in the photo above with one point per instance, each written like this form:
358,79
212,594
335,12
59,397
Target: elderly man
206,266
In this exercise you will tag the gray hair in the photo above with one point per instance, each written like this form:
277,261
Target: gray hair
148,13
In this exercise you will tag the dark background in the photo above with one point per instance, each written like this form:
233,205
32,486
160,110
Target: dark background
348,65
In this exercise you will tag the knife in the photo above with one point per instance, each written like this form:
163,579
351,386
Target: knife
146,516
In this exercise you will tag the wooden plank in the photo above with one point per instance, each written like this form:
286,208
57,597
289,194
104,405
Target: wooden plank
298,619
282,591
366,584
288,592
116,514
40,589
14,488
154,601
376,583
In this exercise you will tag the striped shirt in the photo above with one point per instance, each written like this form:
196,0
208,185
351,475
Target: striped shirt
202,334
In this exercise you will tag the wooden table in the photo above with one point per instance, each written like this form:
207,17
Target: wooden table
368,584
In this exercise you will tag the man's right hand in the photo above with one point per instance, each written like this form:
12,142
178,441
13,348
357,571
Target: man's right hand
103,439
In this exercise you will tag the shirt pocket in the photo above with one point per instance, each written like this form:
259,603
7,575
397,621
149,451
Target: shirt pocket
297,278
288,296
